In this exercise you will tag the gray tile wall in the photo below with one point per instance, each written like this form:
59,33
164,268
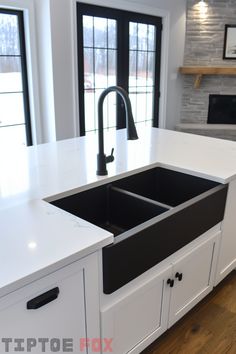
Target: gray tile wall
204,46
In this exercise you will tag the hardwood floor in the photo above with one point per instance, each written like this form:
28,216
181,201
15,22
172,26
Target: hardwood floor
210,328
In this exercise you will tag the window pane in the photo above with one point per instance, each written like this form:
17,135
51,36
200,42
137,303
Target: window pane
142,69
149,113
12,136
133,100
88,31
100,32
111,67
10,74
11,109
141,105
151,37
112,36
100,68
132,67
88,69
9,38
142,36
151,69
133,29
89,98
110,102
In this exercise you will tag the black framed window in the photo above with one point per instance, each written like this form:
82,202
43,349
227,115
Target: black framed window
15,128
118,48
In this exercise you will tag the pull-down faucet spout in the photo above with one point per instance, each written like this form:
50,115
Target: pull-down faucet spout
102,159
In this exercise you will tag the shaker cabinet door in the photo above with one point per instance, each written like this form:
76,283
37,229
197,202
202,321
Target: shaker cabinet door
129,321
193,279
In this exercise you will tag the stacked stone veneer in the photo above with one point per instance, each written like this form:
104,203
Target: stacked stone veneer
204,47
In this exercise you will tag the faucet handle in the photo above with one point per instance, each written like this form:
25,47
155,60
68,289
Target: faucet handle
110,158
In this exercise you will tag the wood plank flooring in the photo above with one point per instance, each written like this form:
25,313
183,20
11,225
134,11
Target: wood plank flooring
209,328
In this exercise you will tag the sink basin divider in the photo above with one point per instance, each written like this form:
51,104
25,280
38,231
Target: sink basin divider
140,197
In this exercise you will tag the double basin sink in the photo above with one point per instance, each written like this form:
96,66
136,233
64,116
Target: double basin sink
152,214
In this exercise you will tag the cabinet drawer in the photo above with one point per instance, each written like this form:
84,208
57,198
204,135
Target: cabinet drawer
55,310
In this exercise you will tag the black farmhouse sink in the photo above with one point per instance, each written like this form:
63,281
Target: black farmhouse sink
152,214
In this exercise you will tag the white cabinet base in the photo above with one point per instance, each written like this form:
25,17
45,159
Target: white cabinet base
137,314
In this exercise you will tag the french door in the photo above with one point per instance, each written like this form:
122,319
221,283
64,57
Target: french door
15,128
117,48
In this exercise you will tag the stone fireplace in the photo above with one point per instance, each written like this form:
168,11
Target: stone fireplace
204,47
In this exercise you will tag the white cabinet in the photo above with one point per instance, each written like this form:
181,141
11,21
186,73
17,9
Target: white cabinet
193,277
227,254
140,316
50,313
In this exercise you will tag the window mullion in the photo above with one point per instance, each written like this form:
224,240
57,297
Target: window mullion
122,66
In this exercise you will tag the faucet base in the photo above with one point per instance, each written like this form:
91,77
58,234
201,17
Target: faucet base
101,164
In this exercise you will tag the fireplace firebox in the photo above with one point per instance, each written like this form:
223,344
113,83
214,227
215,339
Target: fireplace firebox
222,109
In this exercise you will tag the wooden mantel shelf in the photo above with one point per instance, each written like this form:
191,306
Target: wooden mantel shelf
199,71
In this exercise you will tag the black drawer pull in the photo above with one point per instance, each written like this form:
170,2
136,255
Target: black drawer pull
179,276
171,282
43,299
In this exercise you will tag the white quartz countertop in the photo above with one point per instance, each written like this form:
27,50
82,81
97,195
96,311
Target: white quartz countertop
38,238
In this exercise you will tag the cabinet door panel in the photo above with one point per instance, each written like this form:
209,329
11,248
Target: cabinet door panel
62,317
197,280
137,315
227,254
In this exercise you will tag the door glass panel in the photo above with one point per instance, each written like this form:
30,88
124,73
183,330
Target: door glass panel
10,71
111,34
111,67
89,110
151,38
11,109
12,136
142,36
88,31
133,36
88,68
100,32
100,69
151,69
142,70
9,35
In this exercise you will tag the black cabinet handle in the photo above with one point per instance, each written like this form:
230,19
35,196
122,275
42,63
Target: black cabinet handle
171,282
43,299
179,276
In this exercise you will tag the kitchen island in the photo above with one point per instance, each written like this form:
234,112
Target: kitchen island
42,245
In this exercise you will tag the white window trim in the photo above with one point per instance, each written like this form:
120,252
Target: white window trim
27,7
127,6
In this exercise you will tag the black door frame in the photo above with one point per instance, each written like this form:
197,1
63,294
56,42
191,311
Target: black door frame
123,18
